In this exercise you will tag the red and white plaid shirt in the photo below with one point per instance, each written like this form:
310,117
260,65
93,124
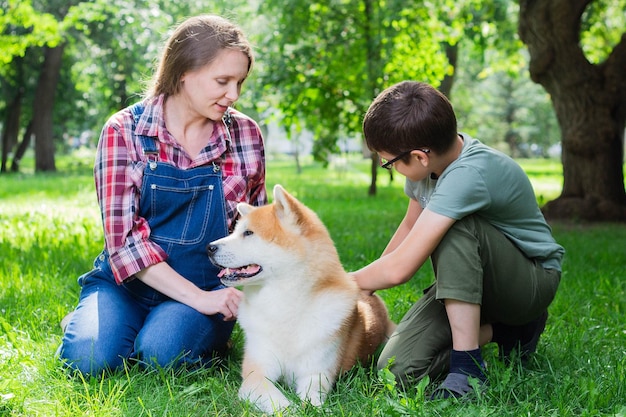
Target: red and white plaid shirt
118,172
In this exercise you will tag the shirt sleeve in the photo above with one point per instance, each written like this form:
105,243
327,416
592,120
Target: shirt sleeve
459,193
118,176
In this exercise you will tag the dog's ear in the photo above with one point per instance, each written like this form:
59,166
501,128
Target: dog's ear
279,194
281,200
244,208
291,212
287,207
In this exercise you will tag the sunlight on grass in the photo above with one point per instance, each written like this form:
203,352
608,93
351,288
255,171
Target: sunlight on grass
50,232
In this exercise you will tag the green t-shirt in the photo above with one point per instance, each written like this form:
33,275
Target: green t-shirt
486,182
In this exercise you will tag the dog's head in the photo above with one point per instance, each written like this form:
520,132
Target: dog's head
272,240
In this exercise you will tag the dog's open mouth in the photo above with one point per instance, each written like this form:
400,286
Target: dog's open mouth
241,273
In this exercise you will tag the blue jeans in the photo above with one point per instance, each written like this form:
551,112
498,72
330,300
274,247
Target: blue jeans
111,325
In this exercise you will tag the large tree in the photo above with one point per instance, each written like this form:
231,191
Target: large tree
86,59
589,101
43,106
326,60
324,63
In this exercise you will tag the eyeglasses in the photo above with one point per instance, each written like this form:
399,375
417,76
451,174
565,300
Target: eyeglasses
388,164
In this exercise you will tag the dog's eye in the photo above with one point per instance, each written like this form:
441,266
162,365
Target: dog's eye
248,233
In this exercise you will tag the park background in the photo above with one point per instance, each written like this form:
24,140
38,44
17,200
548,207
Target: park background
544,81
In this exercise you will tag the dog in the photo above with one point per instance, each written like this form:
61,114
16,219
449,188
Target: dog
305,321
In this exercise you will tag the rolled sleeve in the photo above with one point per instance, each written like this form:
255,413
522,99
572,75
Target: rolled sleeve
134,257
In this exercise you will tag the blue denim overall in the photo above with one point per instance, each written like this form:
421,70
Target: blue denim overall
185,210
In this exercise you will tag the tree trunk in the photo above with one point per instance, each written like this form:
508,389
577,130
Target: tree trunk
43,108
590,104
21,149
11,127
452,53
374,171
373,65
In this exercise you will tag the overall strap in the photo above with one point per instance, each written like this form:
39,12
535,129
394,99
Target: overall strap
149,144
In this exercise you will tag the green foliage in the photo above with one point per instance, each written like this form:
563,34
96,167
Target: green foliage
499,105
50,231
316,61
111,49
319,64
330,59
603,24
22,27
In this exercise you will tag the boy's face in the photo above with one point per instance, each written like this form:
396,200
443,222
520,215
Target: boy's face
416,169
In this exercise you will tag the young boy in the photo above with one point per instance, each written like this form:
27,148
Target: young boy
473,211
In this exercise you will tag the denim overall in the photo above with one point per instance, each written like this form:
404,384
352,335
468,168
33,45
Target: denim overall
186,211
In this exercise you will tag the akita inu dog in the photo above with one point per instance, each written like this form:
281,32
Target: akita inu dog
304,318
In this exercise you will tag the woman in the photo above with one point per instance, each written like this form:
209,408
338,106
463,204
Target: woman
169,172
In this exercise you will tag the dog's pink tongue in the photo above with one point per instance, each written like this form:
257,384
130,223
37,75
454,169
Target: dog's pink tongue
252,269
240,272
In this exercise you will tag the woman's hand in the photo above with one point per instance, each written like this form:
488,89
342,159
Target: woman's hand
224,301
164,279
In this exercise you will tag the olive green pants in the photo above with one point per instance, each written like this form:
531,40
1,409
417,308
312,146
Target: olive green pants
477,264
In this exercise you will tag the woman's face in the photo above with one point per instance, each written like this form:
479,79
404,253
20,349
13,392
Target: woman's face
210,90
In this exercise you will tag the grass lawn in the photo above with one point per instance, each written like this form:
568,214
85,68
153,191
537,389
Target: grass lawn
50,232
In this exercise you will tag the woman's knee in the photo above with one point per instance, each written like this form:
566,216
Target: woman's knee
89,358
175,334
93,341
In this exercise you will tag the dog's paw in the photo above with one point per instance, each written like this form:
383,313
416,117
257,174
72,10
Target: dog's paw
315,388
270,401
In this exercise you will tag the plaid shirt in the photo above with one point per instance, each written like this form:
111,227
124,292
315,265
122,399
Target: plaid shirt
119,167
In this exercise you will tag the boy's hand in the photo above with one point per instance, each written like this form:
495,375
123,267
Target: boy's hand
365,292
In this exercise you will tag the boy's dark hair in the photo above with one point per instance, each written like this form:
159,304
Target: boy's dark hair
410,115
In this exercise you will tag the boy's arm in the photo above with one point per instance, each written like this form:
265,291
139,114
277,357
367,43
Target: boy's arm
413,211
398,266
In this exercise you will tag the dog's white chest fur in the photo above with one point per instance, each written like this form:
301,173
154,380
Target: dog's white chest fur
287,323
293,337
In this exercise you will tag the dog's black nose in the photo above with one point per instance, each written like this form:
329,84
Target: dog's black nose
211,249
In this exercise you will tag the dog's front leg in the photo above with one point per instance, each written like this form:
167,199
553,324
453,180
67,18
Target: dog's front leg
314,388
257,388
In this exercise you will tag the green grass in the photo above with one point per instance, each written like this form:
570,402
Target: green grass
50,232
